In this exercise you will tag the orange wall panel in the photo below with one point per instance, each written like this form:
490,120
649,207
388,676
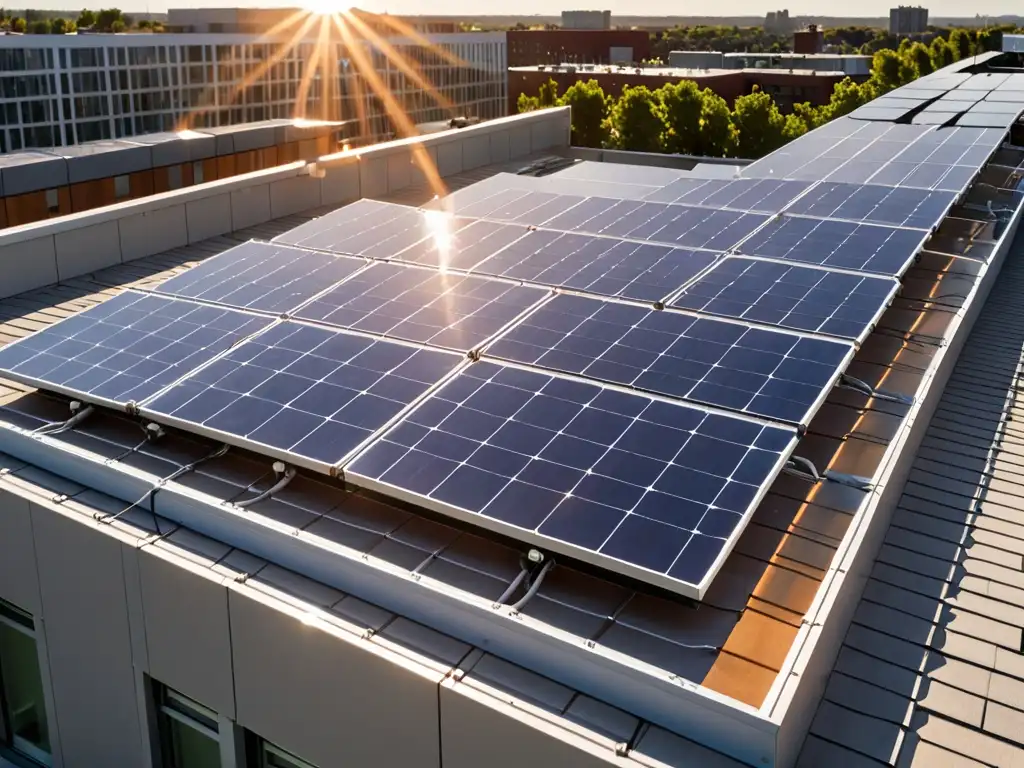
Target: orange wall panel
92,194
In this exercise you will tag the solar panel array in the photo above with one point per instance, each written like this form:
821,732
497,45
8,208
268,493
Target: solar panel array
611,362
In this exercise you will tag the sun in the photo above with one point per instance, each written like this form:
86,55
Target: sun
324,7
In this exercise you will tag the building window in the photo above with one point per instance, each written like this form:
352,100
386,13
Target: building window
23,725
189,734
52,201
263,754
122,187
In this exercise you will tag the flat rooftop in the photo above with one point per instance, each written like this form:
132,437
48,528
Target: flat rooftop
928,669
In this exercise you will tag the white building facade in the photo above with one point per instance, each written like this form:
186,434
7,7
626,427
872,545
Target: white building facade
60,90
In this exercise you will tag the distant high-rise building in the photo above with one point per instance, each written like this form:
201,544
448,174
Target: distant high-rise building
908,20
777,22
586,19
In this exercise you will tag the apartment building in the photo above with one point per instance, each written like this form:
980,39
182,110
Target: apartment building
61,90
908,20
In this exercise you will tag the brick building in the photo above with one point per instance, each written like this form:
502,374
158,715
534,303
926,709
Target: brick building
530,47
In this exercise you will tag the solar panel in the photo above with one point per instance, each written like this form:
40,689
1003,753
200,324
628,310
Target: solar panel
127,348
716,230
981,119
519,206
1016,97
308,395
773,374
658,491
423,305
262,276
901,207
364,228
601,265
951,178
1000,107
757,195
618,173
872,112
457,243
829,243
790,296
935,117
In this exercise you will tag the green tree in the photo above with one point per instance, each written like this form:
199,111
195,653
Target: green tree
589,110
846,97
683,110
960,41
759,125
889,70
942,54
86,18
989,40
547,96
636,121
63,26
117,26
717,134
106,19
18,24
41,27
920,58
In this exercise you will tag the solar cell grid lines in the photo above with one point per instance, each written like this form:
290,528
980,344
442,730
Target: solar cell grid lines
127,348
601,265
901,207
830,243
364,228
756,195
309,395
457,243
767,373
454,311
716,230
657,490
266,277
790,296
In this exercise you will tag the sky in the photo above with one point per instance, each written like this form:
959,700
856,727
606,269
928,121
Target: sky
873,8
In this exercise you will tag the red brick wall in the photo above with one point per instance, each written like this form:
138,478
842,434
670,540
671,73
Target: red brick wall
528,47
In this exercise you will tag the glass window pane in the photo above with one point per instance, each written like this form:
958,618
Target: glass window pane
189,748
24,707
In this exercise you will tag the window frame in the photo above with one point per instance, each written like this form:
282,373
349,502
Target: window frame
185,711
21,621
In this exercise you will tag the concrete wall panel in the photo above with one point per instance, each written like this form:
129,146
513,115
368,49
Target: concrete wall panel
341,183
87,249
399,170
449,158
499,146
294,195
250,206
332,700
187,632
89,647
417,175
208,217
373,175
26,265
151,232
473,726
519,137
18,581
476,152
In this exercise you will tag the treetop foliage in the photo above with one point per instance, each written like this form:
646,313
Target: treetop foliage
679,118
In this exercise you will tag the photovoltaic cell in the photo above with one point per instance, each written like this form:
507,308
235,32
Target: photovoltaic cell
757,195
659,491
423,305
951,178
457,243
127,348
773,374
790,296
306,392
900,207
829,243
262,276
365,228
602,265
715,230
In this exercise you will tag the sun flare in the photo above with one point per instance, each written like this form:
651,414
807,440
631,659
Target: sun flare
324,7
